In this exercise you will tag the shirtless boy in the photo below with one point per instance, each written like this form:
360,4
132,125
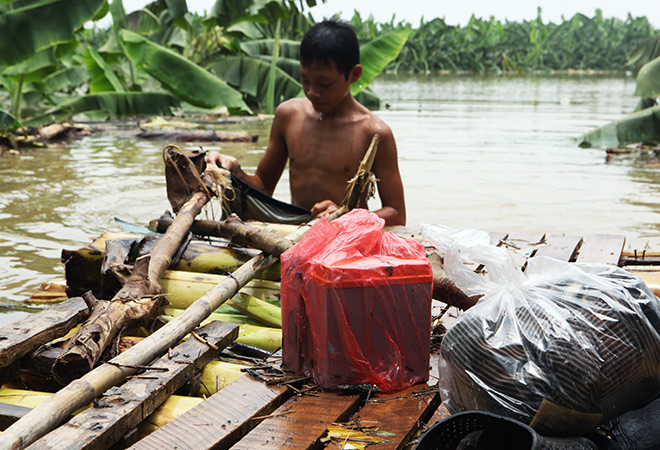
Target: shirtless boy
324,136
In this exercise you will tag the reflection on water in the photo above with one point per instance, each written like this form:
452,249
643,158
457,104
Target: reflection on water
495,153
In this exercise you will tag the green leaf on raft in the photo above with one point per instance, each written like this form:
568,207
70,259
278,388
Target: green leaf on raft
640,126
648,79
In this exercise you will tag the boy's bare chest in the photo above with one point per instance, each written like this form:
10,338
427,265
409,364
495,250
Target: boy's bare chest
332,148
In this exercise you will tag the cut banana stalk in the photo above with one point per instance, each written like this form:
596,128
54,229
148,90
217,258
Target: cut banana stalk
255,308
265,338
217,375
183,288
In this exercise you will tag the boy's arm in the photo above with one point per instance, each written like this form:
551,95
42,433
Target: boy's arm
270,166
274,161
390,186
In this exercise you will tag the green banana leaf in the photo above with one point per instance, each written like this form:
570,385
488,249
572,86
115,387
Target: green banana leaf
180,76
177,8
229,12
66,79
290,66
7,121
645,53
30,28
248,30
142,21
288,48
250,75
43,63
375,55
368,98
648,79
114,104
102,78
640,126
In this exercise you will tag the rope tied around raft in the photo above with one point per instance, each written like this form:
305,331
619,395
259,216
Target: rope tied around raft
222,187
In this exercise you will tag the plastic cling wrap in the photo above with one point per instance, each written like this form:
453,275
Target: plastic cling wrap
356,305
562,347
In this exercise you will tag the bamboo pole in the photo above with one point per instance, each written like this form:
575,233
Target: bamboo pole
82,391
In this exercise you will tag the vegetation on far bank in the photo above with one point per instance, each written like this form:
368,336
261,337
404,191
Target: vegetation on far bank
57,63
579,43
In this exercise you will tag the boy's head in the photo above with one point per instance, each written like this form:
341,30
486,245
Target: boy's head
331,42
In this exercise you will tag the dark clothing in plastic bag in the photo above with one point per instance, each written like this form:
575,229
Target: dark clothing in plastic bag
638,429
562,347
249,203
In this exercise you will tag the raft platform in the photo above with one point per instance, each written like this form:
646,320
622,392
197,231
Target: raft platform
271,409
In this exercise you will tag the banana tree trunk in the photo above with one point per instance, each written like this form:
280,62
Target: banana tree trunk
135,302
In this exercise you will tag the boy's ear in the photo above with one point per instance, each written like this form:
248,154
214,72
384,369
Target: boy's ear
356,73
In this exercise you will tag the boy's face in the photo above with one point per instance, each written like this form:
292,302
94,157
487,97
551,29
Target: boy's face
325,86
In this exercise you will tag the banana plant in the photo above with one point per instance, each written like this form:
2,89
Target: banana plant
46,29
180,76
646,52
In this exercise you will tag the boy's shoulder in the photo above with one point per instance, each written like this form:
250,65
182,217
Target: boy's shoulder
292,106
373,124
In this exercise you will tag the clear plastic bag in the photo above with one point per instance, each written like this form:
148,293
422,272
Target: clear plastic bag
562,347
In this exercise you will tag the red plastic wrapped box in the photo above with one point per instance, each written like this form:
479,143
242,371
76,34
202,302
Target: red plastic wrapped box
356,305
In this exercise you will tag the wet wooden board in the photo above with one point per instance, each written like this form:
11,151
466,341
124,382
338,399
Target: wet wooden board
401,413
221,420
497,237
300,423
10,414
602,248
19,338
639,257
110,418
560,246
521,245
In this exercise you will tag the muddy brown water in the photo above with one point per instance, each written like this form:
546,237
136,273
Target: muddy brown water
493,153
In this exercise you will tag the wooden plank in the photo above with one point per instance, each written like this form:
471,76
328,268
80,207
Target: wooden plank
300,422
521,245
560,246
640,257
221,420
439,415
11,413
401,413
496,237
19,338
108,420
602,248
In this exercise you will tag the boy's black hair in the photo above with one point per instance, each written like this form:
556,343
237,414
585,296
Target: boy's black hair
331,41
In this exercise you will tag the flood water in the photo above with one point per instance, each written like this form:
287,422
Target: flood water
494,153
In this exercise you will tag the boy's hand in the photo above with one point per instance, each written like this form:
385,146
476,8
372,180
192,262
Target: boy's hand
225,161
324,208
